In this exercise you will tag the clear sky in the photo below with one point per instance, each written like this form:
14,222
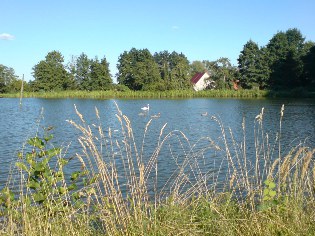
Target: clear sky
201,29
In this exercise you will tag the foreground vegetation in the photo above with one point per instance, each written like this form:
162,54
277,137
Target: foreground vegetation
115,191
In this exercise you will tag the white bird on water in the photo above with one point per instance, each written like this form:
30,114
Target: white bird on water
146,108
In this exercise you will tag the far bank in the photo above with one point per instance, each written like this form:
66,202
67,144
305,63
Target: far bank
242,93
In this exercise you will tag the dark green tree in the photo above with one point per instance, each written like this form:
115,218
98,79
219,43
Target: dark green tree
125,69
15,86
309,68
285,51
263,69
50,74
100,75
137,69
291,70
295,39
179,71
277,47
163,61
247,64
7,78
83,72
71,68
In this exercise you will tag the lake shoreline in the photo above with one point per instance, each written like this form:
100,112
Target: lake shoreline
296,93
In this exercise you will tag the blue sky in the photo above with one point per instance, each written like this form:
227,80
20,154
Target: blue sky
201,29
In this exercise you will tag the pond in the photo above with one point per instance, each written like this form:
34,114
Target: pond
193,117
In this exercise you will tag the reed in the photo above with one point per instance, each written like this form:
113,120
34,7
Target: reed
222,93
214,187
146,94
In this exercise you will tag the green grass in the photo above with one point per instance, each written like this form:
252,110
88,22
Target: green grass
145,94
223,93
271,193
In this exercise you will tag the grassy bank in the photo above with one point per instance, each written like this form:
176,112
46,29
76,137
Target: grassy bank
297,93
115,189
146,94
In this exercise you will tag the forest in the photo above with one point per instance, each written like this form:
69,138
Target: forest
287,62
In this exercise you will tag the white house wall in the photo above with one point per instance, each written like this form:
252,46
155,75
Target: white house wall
202,83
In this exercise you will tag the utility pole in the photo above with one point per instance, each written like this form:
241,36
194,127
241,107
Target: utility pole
22,87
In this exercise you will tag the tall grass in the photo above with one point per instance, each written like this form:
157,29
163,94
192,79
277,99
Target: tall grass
268,193
146,94
222,93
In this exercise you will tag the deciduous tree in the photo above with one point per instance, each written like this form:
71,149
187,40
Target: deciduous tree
222,72
309,68
196,67
100,75
163,61
137,68
179,71
83,72
50,74
285,50
7,78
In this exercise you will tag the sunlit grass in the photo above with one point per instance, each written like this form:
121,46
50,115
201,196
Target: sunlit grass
266,193
145,94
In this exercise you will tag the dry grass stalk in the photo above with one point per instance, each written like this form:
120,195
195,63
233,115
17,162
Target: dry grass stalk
306,163
126,177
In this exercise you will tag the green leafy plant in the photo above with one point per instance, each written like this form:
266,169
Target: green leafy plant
269,195
43,167
6,197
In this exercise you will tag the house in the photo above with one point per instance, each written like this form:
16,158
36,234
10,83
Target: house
200,81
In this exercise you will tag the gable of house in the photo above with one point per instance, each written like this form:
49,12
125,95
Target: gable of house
197,77
199,80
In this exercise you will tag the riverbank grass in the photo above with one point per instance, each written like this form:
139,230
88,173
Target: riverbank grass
115,189
222,93
145,94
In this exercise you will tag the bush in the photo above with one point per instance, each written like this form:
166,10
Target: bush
159,86
121,88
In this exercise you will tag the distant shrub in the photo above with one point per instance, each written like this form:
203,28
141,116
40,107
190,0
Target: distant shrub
159,86
120,88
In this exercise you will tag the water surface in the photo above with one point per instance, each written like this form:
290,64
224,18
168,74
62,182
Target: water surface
20,123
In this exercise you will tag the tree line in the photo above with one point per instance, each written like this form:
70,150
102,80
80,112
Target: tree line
286,62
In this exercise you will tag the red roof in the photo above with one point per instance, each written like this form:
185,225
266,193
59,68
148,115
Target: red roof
197,77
